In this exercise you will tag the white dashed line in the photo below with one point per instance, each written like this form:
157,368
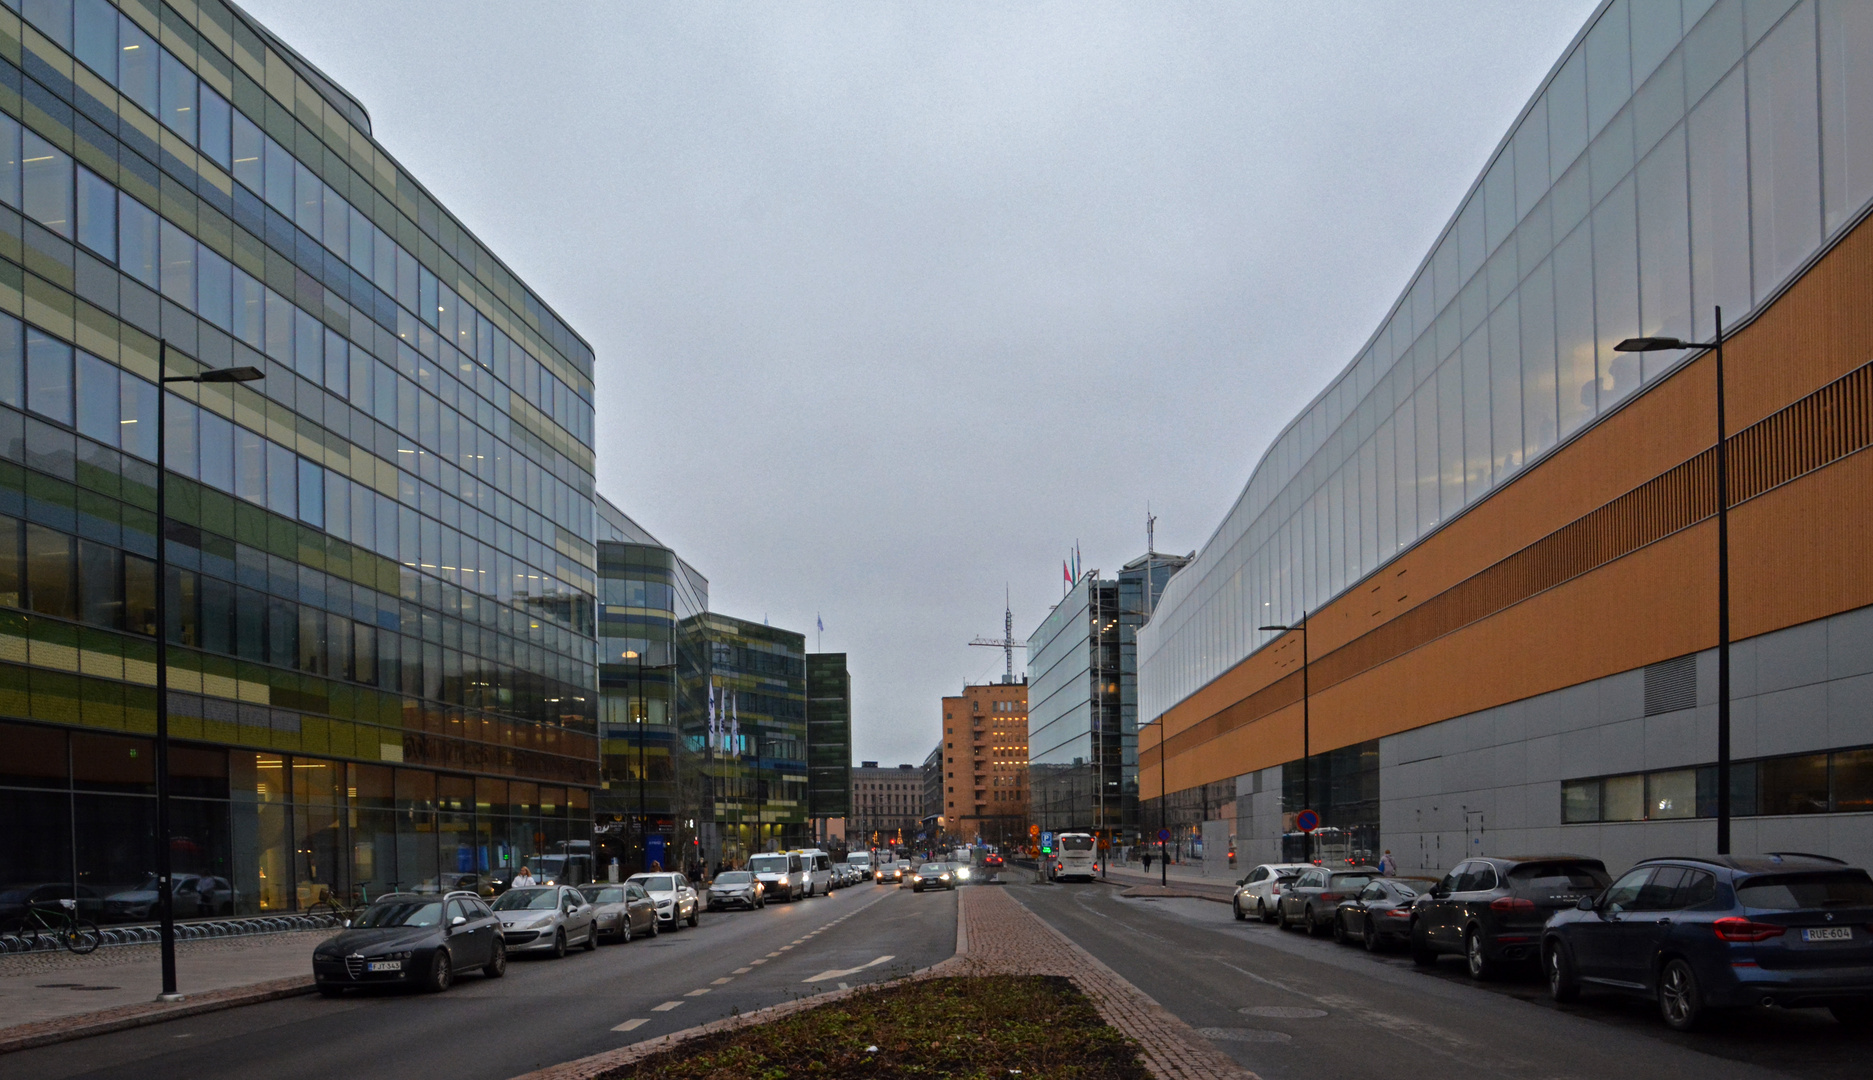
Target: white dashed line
666,1006
698,992
743,971
722,981
631,1025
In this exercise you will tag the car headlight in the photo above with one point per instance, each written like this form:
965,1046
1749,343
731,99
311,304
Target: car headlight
962,874
404,955
544,920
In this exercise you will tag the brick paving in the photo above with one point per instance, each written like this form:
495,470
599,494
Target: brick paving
995,935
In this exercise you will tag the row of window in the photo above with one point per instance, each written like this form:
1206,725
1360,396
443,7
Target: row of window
152,77
1840,782
1724,150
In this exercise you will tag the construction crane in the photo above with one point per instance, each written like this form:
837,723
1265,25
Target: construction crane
1007,643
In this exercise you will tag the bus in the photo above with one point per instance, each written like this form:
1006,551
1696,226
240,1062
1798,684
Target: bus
1075,856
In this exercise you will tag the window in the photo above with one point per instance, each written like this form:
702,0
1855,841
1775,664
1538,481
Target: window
1624,893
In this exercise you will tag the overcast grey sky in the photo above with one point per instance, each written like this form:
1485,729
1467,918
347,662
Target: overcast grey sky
894,302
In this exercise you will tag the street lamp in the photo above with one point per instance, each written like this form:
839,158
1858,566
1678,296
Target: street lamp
165,898
1307,765
1667,344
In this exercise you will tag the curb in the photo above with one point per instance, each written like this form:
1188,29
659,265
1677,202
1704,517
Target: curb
123,1018
1132,889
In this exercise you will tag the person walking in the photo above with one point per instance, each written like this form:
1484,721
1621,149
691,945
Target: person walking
1388,866
1147,862
523,880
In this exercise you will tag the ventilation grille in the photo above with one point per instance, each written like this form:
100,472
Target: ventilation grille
1671,685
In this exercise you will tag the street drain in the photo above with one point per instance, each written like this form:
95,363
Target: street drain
1251,1035
1282,1012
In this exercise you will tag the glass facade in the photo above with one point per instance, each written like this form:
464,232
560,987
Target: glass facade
750,739
382,556
650,664
828,736
1679,157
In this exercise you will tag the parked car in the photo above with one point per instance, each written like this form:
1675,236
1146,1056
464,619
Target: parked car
931,875
622,911
1311,901
676,899
780,874
545,918
196,896
817,866
1260,890
410,939
1491,911
1701,935
736,888
1381,914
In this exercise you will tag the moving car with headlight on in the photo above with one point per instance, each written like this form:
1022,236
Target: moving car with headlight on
1699,935
736,888
932,875
677,902
621,911
781,875
545,918
405,939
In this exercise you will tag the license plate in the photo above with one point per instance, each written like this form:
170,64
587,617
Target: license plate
1828,933
384,965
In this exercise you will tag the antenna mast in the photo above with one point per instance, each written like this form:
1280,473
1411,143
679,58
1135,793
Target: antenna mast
1006,643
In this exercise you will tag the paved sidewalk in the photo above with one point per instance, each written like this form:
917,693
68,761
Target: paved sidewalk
995,934
51,996
1138,883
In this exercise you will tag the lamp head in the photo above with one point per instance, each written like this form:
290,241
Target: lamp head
1650,344
232,374
1283,629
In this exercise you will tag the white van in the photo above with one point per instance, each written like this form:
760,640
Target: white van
781,874
861,862
818,867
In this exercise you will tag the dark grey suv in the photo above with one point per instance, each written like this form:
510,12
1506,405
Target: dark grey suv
1491,911
412,939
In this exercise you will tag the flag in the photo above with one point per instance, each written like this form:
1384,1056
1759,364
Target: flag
1066,575
734,728
822,623
712,721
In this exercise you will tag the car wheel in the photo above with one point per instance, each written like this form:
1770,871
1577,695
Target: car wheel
1309,923
694,917
1680,1001
1480,966
1560,970
1369,936
1261,911
497,963
1340,936
627,929
654,928
591,936
559,944
1236,906
1421,952
441,972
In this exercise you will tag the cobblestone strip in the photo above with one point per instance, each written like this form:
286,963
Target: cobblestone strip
104,1021
1004,936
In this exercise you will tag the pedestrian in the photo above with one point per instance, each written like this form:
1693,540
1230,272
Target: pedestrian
1147,862
524,879
1388,866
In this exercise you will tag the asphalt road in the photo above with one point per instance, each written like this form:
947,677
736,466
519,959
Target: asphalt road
1289,1006
544,1011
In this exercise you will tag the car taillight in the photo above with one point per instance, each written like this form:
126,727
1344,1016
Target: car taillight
1511,903
1059,867
1398,913
1274,890
1333,896
1735,929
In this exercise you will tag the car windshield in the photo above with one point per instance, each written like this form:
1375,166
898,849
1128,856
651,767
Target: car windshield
734,877
1348,882
401,913
768,864
657,882
1795,892
527,900
930,868
1558,877
608,894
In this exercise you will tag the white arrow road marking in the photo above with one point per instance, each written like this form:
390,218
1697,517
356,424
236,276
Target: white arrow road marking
840,973
631,1025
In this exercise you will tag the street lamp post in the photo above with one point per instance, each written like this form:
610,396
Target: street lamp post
1307,765
165,893
1666,344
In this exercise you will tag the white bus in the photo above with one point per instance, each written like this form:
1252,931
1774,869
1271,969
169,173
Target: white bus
1075,856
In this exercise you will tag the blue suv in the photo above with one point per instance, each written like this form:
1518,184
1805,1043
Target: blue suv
1698,935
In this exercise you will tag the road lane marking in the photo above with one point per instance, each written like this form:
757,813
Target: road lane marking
772,955
722,981
763,961
845,986
743,971
632,1025
665,1007
840,973
697,992
783,949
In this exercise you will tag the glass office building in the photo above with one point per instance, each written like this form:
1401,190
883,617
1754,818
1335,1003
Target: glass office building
381,556
751,739
828,739
651,660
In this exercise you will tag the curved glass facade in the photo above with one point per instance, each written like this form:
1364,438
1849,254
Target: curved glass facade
1679,157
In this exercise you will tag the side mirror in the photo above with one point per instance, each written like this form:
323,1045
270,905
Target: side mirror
459,920
1585,903
1439,893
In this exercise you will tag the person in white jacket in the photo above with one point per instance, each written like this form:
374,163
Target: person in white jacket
523,880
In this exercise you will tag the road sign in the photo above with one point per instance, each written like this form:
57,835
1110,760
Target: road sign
1047,838
1034,830
1164,836
1307,820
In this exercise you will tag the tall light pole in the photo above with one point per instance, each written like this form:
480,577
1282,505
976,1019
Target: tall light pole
165,893
643,821
1307,765
1668,344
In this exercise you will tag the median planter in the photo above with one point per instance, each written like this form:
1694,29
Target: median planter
982,1026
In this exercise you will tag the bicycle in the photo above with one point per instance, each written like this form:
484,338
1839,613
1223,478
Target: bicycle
342,907
62,924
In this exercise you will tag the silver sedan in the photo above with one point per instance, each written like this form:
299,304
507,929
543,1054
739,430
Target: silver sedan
546,918
621,911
